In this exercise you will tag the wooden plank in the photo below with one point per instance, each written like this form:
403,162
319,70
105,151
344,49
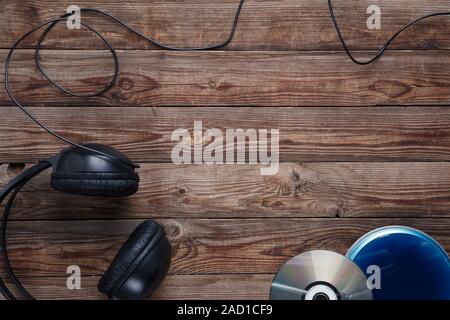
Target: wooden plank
264,25
306,134
298,190
234,78
200,246
174,287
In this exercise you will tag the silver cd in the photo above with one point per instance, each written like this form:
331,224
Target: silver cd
320,275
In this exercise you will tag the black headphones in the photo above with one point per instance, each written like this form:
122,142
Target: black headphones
97,170
144,259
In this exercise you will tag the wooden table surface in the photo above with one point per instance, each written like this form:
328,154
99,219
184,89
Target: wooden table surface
361,147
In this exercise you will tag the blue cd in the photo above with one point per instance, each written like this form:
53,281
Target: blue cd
412,265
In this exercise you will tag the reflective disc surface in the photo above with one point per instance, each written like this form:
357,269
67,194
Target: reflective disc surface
320,275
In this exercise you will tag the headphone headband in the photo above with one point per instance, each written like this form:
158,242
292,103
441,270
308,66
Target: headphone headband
14,186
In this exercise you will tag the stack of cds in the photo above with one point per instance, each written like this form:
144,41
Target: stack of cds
391,263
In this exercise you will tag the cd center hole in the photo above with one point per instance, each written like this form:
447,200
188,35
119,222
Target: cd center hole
321,297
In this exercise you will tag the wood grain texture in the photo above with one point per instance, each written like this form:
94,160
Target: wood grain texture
264,24
178,287
382,157
162,78
306,134
298,190
200,246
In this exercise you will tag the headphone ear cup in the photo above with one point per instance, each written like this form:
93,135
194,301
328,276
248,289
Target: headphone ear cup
81,171
140,265
96,184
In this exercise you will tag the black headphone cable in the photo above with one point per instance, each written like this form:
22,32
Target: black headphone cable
11,190
383,49
6,262
13,193
50,24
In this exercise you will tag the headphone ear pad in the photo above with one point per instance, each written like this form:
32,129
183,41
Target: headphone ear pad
140,265
97,183
80,171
